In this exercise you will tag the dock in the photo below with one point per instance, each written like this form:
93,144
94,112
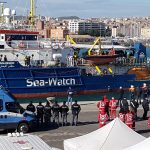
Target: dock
55,136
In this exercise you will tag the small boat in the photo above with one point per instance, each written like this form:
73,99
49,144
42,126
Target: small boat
101,59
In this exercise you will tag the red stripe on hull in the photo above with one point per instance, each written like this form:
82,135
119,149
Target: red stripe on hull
18,32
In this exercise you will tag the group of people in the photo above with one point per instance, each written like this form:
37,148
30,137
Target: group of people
3,58
128,110
108,111
50,114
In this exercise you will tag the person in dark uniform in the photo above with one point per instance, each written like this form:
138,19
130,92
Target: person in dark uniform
121,93
30,107
56,110
145,90
64,112
133,107
47,113
124,105
145,105
75,112
5,58
138,94
40,113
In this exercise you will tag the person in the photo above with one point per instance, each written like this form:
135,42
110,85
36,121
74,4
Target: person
30,107
8,41
133,107
47,113
138,94
148,121
40,113
56,110
121,115
145,106
26,60
113,106
5,58
129,119
148,93
102,118
76,108
121,92
132,92
64,112
70,93
101,105
106,101
144,90
124,105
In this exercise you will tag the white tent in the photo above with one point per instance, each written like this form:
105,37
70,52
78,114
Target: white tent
114,136
144,145
26,142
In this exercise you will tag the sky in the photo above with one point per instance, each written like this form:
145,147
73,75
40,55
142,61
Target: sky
83,8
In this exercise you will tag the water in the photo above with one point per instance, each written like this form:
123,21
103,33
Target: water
94,97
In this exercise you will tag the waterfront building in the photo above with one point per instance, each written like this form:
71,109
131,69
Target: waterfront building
59,33
87,26
73,26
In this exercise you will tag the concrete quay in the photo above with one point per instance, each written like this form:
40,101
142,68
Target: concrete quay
54,136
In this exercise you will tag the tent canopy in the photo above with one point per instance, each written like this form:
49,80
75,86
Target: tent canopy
144,145
26,142
115,136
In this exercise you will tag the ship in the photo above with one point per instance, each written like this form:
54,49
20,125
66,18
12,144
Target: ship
31,68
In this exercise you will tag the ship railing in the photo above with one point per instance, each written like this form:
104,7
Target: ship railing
30,45
132,61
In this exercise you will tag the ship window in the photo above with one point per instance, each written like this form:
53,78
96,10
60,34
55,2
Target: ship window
1,46
2,37
1,104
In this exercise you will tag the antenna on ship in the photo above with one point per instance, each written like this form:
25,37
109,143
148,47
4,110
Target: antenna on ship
32,13
2,11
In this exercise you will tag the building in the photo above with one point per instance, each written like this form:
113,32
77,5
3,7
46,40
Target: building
59,33
145,32
73,26
114,31
89,26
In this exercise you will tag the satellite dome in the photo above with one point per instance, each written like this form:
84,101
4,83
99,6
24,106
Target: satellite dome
7,12
13,12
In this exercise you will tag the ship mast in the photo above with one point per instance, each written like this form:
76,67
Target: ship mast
32,13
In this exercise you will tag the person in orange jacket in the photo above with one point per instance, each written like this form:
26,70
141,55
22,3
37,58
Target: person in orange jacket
106,100
101,106
129,119
113,107
102,118
148,121
121,115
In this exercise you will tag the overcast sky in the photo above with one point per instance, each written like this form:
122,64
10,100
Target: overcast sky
84,8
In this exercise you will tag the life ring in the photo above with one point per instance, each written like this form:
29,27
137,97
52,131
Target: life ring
21,45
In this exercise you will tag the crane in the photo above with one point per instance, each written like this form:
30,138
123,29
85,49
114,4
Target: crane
32,13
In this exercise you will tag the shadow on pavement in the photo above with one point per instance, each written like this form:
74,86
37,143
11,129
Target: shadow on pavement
87,123
143,131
